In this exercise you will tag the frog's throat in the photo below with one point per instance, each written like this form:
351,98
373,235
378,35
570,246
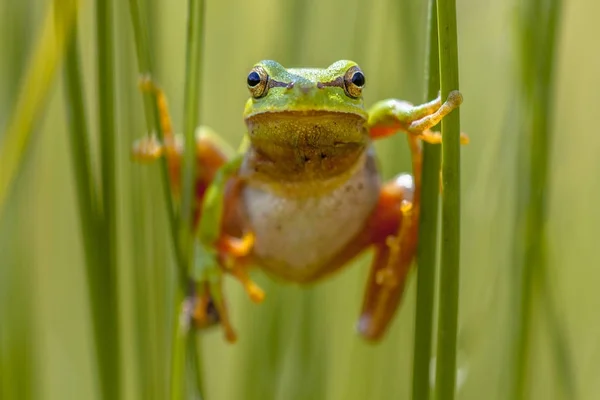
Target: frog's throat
304,147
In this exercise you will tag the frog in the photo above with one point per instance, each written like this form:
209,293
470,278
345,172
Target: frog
304,196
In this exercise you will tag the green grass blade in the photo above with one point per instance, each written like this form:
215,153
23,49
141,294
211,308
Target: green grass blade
178,348
36,85
85,182
19,351
110,361
193,75
427,250
19,363
560,346
144,58
450,252
537,32
90,219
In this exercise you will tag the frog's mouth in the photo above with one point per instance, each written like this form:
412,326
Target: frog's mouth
304,145
310,129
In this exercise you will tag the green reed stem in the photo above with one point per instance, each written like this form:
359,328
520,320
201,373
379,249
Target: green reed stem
85,182
110,358
538,25
35,87
450,252
180,227
193,75
178,347
19,318
86,189
428,222
144,57
195,365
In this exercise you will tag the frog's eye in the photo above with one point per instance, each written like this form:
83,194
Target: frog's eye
354,81
258,80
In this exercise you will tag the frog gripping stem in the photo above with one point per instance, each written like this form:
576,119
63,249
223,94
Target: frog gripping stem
306,139
395,253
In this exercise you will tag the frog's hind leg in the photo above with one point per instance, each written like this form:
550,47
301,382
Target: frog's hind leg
396,230
395,225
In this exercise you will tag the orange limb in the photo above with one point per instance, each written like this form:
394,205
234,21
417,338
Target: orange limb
395,231
209,309
236,252
394,249
392,230
232,256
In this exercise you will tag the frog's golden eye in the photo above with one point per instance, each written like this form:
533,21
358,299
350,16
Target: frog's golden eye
354,81
258,80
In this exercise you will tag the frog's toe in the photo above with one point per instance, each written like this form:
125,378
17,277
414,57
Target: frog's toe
210,305
204,312
146,149
210,309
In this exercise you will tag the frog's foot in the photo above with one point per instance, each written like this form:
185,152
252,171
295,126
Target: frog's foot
209,303
387,117
453,101
210,307
229,256
394,254
147,149
198,309
234,251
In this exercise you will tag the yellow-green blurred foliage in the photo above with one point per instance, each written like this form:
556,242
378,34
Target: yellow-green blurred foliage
301,344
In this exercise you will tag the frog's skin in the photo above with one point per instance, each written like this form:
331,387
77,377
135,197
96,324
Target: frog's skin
305,196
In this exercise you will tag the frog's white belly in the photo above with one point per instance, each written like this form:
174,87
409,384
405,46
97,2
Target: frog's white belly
297,236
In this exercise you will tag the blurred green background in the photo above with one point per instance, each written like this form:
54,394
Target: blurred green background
300,343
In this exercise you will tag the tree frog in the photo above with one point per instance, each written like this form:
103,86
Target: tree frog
304,197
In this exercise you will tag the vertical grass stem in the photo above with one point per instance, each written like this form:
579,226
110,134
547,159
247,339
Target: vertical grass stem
450,251
428,221
537,33
110,358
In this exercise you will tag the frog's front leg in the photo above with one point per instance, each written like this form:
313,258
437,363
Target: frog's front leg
389,116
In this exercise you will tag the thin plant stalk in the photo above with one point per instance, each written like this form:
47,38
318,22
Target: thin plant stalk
537,33
428,222
86,190
151,110
110,359
181,228
36,84
19,319
178,349
450,251
85,181
193,75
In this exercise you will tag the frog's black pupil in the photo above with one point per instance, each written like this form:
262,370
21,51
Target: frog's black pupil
253,79
358,79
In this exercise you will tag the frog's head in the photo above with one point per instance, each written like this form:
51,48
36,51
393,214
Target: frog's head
336,89
306,123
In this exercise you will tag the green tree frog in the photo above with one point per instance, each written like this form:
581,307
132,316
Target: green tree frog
305,196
